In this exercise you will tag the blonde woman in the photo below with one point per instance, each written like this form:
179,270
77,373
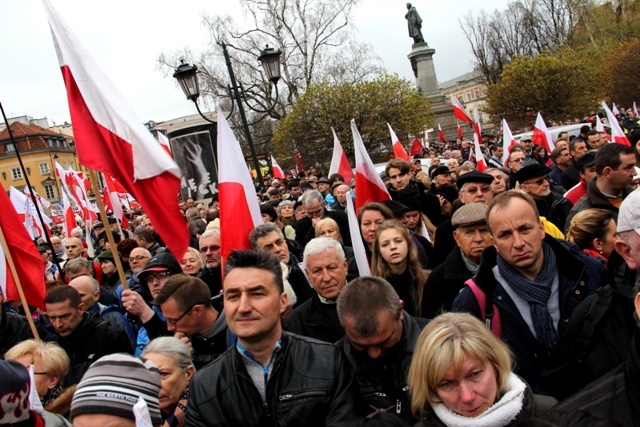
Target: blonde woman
191,263
594,231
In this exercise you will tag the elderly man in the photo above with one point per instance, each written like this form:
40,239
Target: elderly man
211,274
440,176
531,280
145,238
516,158
326,268
475,187
533,180
472,236
268,237
315,207
379,342
499,183
271,377
340,191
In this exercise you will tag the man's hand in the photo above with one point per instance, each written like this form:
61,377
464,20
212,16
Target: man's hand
134,304
185,339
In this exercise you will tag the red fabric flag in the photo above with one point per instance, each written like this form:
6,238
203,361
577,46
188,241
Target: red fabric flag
276,170
369,185
298,158
460,132
69,217
239,208
481,163
26,258
541,135
416,147
459,111
508,141
617,134
111,138
398,150
339,162
440,134
114,199
164,142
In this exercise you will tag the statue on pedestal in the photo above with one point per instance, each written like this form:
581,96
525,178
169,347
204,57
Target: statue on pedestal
414,23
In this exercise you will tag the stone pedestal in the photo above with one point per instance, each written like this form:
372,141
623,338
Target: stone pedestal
421,58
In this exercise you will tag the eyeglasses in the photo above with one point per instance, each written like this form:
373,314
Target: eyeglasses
174,322
472,190
538,182
39,373
150,278
519,160
138,257
212,248
316,213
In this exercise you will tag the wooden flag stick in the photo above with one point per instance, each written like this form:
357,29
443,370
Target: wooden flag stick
16,278
107,228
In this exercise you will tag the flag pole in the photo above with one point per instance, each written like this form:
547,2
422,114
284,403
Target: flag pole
14,273
107,228
56,261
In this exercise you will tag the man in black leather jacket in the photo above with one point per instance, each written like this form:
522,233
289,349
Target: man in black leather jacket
269,377
379,342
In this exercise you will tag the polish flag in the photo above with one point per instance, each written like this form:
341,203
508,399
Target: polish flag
239,208
298,159
416,147
541,135
339,162
481,163
359,252
440,134
69,217
276,170
111,138
26,259
600,128
398,150
615,110
460,132
635,109
508,141
617,134
164,142
112,190
459,111
369,185
26,212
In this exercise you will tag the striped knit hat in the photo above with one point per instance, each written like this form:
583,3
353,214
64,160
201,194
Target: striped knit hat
113,385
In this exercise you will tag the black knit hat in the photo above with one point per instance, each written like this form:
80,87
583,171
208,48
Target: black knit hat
14,392
531,169
397,208
447,191
440,170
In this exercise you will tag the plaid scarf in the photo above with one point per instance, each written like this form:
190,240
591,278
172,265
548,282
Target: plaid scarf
536,292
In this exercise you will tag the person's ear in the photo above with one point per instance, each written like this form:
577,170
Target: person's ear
189,372
53,381
597,244
637,304
284,302
623,248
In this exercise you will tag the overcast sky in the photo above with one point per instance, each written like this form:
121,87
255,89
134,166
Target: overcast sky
125,38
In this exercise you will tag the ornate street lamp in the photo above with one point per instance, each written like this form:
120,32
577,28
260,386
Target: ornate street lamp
269,58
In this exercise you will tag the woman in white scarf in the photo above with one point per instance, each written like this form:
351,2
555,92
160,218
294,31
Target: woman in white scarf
461,376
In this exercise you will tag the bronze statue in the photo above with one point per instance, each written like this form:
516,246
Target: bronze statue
415,24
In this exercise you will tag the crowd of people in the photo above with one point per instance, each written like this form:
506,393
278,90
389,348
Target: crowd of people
501,297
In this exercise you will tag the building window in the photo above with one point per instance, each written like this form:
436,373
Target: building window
44,168
477,93
16,173
49,192
10,148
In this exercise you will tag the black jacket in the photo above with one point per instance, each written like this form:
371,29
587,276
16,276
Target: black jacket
444,284
212,278
444,244
570,176
383,381
14,328
407,289
305,231
416,195
316,320
579,276
311,384
298,281
91,340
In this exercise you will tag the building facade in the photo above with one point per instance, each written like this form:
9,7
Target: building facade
471,91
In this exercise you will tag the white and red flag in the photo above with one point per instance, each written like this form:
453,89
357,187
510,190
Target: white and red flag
459,110
69,219
276,170
298,159
460,132
617,134
398,150
508,141
542,136
164,142
635,108
440,134
481,162
614,109
27,213
416,147
600,128
25,256
41,201
359,252
339,162
369,185
111,138
239,208
113,190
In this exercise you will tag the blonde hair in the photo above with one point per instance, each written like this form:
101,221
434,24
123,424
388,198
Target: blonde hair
447,341
588,225
53,359
196,254
331,222
380,267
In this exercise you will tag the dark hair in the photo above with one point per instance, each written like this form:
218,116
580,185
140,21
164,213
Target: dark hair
185,290
142,233
574,142
556,153
609,155
126,246
335,177
293,183
61,294
593,132
585,129
493,148
402,165
375,206
261,231
256,259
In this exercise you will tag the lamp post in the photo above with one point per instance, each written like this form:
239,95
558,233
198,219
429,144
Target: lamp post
269,58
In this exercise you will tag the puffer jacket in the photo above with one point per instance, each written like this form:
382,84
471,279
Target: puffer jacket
311,384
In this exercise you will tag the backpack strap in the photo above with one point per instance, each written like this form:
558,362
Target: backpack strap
489,311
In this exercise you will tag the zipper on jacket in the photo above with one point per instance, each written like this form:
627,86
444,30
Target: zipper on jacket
287,397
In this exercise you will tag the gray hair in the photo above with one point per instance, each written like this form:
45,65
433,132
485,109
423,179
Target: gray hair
170,347
261,231
142,233
76,264
322,244
77,230
310,195
192,213
209,233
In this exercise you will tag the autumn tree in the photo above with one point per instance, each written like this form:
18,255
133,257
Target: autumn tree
562,86
373,104
624,82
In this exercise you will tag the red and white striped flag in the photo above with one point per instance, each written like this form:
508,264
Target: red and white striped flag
615,110
369,185
113,190
359,252
600,128
459,111
276,170
239,208
541,135
617,134
416,147
27,213
164,142
398,150
69,219
339,162
440,134
508,141
635,109
111,138
25,256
